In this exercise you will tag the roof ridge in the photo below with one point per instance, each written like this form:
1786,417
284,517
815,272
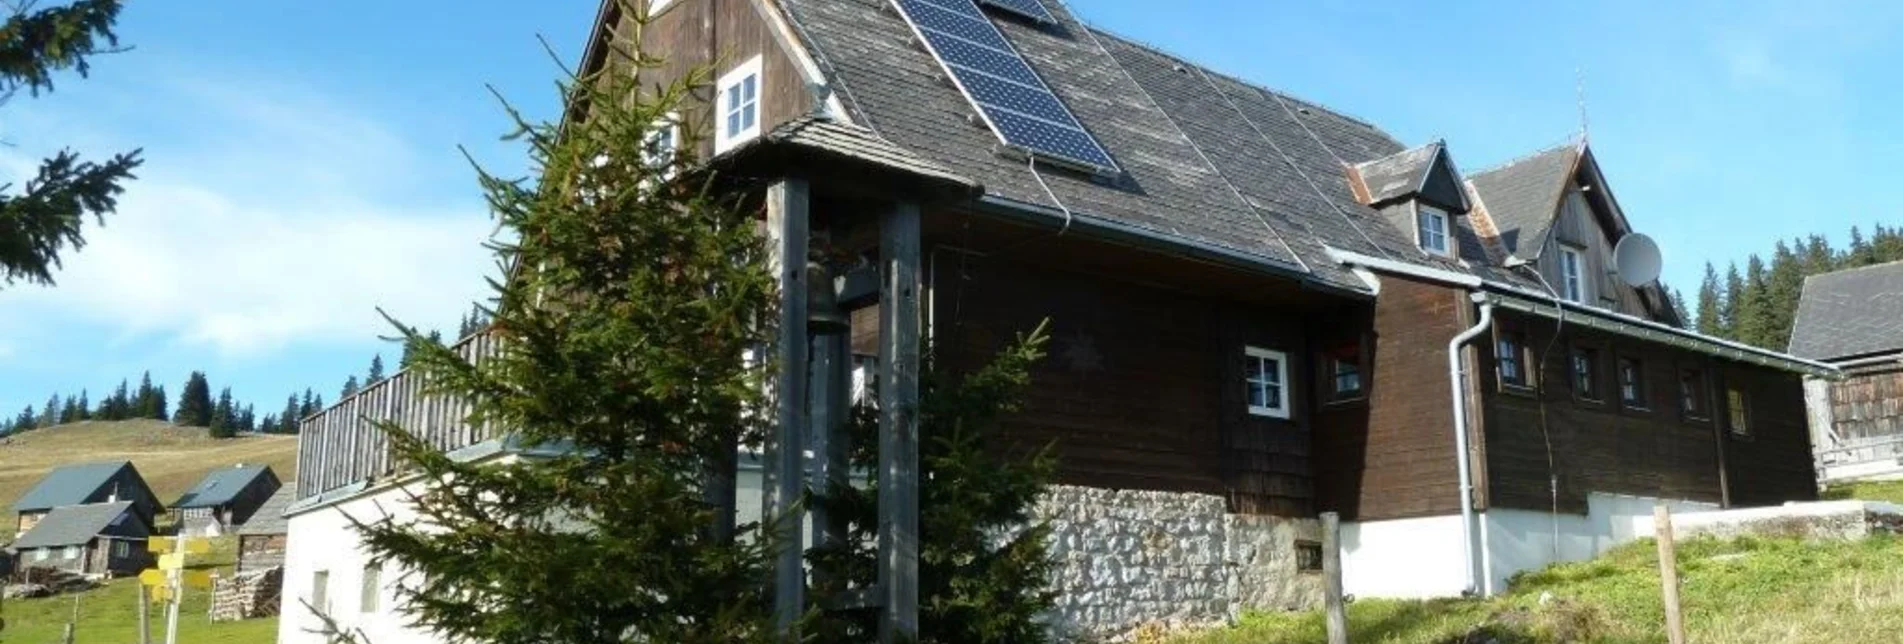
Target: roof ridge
1206,69
1889,264
1569,143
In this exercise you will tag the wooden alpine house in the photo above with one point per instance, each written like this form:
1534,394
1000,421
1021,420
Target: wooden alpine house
1261,309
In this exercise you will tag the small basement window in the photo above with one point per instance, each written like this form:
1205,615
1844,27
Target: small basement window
1632,383
1510,352
1308,556
739,105
1738,410
1430,230
1265,373
1343,364
1585,365
1691,393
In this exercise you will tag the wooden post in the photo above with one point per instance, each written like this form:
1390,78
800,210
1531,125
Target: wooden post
785,466
831,402
898,423
145,613
1331,579
1668,573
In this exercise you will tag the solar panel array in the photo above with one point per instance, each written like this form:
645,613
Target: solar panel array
1013,100
1028,8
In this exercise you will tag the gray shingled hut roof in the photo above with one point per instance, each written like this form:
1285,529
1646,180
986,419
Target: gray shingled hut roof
220,486
269,519
68,485
74,524
1850,313
1522,196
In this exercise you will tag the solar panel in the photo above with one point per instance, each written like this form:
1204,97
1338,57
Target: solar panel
1010,96
1028,8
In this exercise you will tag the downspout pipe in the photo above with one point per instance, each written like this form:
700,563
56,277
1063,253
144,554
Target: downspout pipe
1456,377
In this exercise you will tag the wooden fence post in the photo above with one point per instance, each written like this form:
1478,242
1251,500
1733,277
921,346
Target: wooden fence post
1331,579
1668,573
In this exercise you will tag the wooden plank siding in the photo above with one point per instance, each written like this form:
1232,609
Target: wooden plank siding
1867,403
1392,454
1607,446
340,446
721,34
1143,387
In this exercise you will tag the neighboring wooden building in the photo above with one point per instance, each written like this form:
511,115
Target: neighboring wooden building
261,539
78,484
224,499
1251,297
1854,319
105,539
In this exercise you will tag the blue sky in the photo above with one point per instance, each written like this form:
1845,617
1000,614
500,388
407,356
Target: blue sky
302,166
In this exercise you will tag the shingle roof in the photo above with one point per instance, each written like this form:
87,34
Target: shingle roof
1522,196
68,485
73,524
1850,313
269,518
220,486
1207,158
1398,175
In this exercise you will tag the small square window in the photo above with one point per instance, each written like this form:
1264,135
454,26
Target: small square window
70,552
1632,383
1343,373
739,105
1430,230
663,143
320,591
121,549
1691,393
1265,375
1308,556
1738,410
1585,366
42,554
1510,351
372,588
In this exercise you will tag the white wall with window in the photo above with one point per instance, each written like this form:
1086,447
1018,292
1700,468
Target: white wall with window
1265,374
737,106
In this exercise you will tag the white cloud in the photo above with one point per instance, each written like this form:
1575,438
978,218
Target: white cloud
283,225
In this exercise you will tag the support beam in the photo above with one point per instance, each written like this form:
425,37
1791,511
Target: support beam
831,403
787,227
898,423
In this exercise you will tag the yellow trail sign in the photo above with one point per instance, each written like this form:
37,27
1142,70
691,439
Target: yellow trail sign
195,578
197,545
161,594
172,561
152,577
159,545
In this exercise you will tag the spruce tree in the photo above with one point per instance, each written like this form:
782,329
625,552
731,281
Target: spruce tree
49,415
376,370
194,402
1709,322
290,417
85,407
269,425
350,388
45,217
159,404
625,344
223,416
1784,282
1733,298
25,421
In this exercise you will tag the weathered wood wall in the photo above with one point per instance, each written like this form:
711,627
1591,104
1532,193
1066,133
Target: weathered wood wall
1658,451
1392,455
339,446
1868,404
1577,226
721,34
260,551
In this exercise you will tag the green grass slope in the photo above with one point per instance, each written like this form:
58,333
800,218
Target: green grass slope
109,614
171,459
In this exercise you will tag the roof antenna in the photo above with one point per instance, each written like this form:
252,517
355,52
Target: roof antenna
1579,90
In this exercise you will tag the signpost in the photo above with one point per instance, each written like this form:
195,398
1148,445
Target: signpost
169,580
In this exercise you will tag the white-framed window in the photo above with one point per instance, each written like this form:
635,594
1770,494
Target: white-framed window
663,143
70,552
738,105
121,549
42,554
1572,274
372,588
320,591
1265,374
1430,230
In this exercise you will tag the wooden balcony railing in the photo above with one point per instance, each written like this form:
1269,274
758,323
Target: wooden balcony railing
339,446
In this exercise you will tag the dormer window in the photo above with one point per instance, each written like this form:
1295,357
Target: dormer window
1430,230
1572,274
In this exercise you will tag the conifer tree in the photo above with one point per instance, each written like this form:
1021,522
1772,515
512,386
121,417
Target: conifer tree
24,422
1784,282
223,416
1709,298
269,425
159,404
194,402
350,388
1734,294
289,418
376,371
45,217
70,413
49,415
85,407
639,371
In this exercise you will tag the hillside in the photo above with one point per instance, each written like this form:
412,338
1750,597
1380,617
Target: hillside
1741,591
170,458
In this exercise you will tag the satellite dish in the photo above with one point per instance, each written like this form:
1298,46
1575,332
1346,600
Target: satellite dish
1636,259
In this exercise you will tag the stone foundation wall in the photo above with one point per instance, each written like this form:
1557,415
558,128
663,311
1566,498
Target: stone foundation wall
247,595
1814,520
1131,561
